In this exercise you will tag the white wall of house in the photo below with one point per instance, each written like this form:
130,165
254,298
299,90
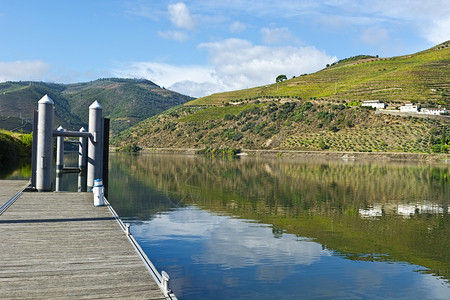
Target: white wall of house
374,103
433,111
409,107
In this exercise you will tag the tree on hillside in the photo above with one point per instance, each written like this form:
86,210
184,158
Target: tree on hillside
281,78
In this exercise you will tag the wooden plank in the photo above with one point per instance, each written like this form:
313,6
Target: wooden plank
9,188
59,246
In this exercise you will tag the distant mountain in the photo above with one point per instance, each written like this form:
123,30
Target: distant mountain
320,111
125,101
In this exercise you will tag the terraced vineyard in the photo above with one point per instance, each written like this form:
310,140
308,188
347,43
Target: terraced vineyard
390,138
422,77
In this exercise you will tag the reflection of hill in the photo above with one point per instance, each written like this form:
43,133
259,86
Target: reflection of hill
318,199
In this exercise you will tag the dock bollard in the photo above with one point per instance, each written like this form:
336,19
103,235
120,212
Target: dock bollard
165,282
98,191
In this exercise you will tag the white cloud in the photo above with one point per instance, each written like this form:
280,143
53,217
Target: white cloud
439,31
373,36
176,35
196,89
23,70
276,35
180,16
237,27
234,64
240,64
141,11
165,74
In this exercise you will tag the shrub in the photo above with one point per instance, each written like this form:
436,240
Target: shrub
237,136
130,148
27,140
323,146
334,128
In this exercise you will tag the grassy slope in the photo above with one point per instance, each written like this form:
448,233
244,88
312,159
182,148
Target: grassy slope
290,125
285,117
124,101
420,77
13,147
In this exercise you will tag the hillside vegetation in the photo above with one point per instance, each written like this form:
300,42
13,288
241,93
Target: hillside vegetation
13,147
305,113
125,101
422,77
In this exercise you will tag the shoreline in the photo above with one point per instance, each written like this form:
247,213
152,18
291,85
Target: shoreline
395,156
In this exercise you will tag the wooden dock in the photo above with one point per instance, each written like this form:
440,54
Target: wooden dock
59,246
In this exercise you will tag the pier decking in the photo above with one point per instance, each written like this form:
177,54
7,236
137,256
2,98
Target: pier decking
59,246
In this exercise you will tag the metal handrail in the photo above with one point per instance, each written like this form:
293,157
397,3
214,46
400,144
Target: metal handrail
13,199
161,280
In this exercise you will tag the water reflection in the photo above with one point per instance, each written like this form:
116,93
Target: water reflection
370,213
221,245
212,256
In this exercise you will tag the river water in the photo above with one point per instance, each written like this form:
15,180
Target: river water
285,228
280,228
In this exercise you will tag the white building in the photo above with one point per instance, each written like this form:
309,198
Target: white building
409,107
374,103
433,111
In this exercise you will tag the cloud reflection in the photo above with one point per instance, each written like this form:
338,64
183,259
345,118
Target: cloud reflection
230,242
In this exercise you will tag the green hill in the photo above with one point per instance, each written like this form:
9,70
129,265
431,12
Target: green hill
422,77
125,101
320,111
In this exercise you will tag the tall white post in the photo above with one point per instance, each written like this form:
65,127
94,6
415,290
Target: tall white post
82,155
59,159
95,148
44,154
60,151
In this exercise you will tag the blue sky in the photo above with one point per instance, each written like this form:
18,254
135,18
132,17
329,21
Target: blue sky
200,47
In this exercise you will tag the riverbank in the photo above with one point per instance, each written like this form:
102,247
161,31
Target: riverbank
317,154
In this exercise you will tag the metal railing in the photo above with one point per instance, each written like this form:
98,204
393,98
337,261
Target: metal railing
161,279
13,199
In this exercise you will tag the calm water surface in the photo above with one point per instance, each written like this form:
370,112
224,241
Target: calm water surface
280,228
254,228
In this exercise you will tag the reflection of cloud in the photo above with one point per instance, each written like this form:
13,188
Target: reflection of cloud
435,287
256,244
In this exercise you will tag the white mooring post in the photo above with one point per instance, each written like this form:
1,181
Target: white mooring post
98,192
44,153
95,148
82,155
165,283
